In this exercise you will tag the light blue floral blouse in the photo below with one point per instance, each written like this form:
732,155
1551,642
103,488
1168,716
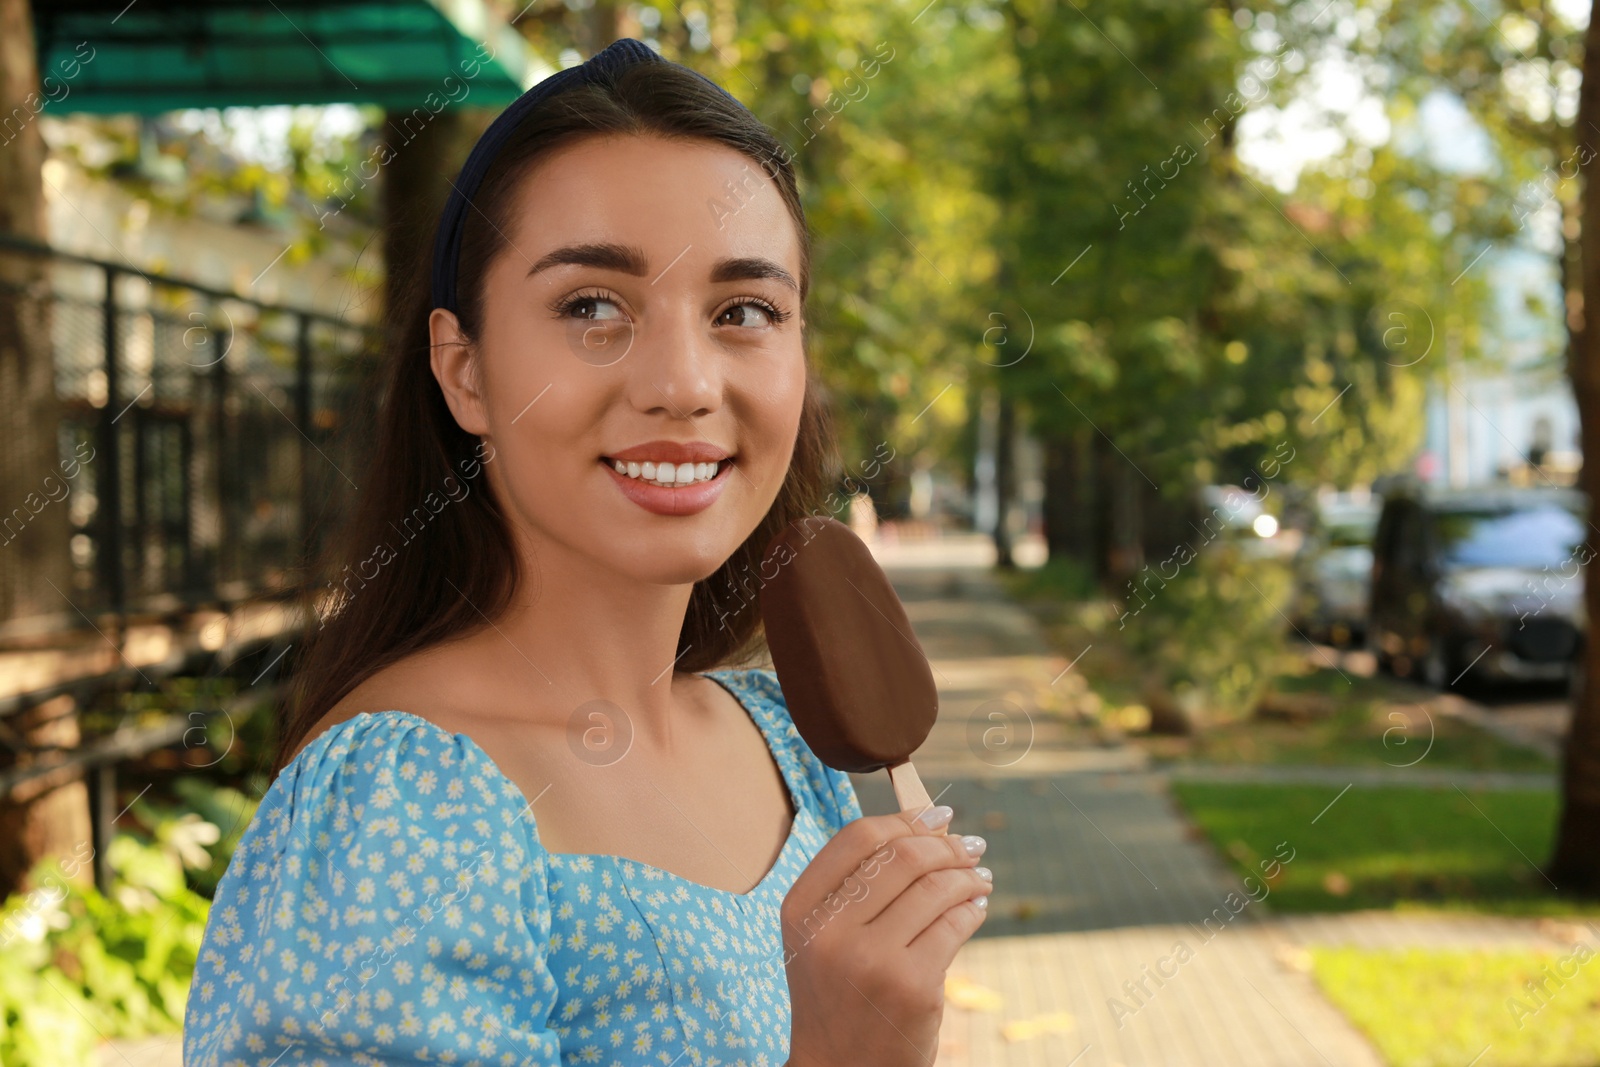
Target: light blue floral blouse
390,903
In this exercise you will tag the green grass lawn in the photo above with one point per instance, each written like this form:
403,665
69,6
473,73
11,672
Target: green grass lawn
1449,1008
1388,847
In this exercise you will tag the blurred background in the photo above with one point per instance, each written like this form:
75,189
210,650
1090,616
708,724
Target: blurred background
1211,377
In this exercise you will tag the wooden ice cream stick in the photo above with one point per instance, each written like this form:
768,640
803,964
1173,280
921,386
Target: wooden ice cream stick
909,791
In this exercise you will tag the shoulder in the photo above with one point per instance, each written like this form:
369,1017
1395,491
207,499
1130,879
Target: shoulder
377,754
759,690
385,863
378,778
408,682
369,774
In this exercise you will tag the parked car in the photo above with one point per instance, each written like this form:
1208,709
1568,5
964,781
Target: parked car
1333,569
1484,580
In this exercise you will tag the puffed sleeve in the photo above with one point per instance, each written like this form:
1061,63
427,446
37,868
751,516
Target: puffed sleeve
385,906
836,797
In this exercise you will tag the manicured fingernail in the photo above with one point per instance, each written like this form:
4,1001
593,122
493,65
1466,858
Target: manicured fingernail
936,818
974,844
982,903
983,872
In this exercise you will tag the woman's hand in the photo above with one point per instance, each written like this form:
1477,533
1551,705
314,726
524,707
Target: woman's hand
869,929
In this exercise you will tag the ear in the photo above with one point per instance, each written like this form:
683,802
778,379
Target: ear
455,367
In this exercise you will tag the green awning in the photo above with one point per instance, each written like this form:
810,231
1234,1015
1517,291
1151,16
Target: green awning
149,56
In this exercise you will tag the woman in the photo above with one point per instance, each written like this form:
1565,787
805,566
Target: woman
519,819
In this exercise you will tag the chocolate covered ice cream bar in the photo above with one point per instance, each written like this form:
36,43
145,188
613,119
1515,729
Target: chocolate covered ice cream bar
857,682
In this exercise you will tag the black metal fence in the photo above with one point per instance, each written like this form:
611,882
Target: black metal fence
214,422
209,442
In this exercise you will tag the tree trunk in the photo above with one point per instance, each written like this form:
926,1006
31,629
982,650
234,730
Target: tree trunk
1067,495
1574,865
597,27
427,153
1125,552
1005,477
48,816
33,549
1101,536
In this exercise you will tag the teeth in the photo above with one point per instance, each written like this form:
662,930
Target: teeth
667,474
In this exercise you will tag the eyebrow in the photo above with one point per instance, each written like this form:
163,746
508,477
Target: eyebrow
630,259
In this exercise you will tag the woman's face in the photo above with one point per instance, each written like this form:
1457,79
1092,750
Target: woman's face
639,369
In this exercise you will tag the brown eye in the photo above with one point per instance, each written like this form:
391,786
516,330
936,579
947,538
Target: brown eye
594,307
748,314
590,305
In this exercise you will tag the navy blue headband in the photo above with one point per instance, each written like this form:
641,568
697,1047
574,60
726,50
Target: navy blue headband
604,65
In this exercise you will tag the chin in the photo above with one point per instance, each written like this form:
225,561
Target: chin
648,553
682,570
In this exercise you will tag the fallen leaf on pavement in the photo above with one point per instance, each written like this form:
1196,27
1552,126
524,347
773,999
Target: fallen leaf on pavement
962,992
1294,958
1028,1029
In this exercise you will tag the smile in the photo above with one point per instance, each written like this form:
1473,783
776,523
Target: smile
666,474
673,478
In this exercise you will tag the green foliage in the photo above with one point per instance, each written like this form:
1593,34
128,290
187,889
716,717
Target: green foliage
1061,580
1408,222
1094,159
78,966
877,106
1210,314
1212,635
1375,721
1204,632
204,831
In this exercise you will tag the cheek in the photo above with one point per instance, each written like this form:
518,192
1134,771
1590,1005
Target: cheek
515,375
543,406
535,387
775,411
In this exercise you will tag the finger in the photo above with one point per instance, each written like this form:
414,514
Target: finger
900,864
853,845
804,918
924,901
930,818
936,947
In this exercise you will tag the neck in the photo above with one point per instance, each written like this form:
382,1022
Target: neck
583,632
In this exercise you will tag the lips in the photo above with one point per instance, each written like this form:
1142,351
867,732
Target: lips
672,452
670,477
674,500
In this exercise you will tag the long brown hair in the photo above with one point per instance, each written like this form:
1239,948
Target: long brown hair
460,567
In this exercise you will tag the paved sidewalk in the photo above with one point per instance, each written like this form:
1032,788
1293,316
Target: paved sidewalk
1111,940
1338,777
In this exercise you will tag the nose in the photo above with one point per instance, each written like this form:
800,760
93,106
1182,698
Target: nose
678,373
